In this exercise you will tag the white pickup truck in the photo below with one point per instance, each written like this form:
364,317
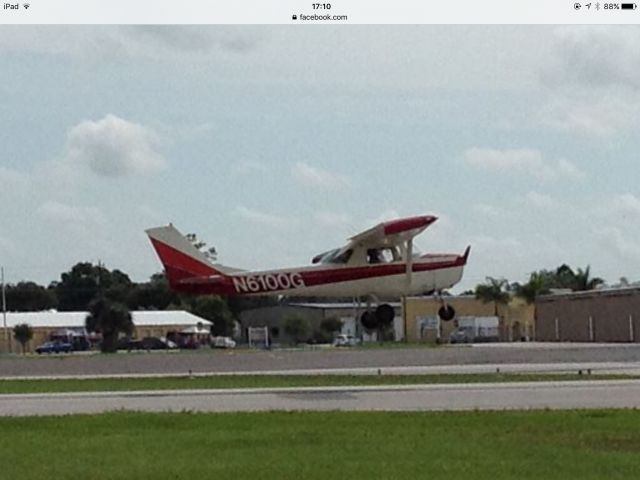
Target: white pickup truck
475,329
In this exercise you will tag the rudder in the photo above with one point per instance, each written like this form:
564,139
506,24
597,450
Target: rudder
179,257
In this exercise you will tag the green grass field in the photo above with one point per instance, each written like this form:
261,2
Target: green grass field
260,381
366,445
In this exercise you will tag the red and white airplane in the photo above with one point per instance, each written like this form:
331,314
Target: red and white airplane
378,262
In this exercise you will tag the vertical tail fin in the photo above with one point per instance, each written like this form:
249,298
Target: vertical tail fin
179,257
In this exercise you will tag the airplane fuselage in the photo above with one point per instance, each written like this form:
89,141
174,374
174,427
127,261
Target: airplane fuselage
429,273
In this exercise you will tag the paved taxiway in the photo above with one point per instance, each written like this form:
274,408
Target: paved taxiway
486,396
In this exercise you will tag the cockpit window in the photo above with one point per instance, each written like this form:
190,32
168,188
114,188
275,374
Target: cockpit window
337,256
382,255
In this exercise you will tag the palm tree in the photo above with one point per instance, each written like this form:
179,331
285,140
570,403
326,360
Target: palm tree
494,290
564,277
110,319
23,333
535,287
582,280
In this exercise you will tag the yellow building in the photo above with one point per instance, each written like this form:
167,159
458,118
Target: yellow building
515,320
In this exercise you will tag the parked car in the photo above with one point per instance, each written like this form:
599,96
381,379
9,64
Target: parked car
158,343
130,344
54,347
344,340
223,342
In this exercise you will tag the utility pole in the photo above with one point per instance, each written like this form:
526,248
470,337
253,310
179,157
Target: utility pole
4,312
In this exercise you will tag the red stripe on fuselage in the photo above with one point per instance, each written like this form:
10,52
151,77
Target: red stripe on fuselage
336,275
311,277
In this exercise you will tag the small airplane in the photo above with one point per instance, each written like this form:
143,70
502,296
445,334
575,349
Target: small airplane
378,262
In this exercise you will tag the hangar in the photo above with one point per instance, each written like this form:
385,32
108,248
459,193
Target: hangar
274,318
147,323
516,319
605,315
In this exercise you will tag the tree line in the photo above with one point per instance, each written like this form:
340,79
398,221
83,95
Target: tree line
541,282
97,290
109,295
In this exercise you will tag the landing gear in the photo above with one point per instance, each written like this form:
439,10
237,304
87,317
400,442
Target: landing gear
446,312
369,321
384,314
378,320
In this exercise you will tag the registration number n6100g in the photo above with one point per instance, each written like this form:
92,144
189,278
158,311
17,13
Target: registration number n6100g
267,283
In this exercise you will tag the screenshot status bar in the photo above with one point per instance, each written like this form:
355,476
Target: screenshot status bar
299,12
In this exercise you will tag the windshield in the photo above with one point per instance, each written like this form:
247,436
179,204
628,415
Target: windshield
336,256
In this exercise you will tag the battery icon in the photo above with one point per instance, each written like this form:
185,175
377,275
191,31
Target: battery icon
628,6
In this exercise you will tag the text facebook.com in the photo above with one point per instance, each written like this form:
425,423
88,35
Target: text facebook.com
319,18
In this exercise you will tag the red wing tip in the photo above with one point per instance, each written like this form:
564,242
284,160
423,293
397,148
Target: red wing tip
408,223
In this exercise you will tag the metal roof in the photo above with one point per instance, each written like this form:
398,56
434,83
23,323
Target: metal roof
330,306
142,318
598,292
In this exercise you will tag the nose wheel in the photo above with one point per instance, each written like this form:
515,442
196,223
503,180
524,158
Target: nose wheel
446,312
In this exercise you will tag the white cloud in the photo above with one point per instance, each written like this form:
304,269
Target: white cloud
540,200
591,75
486,243
255,216
315,177
615,240
57,213
488,210
626,204
127,41
13,182
496,257
600,56
522,161
114,147
590,113
332,219
385,215
249,167
150,214
7,247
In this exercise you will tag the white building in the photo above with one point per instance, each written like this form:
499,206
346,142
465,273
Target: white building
147,323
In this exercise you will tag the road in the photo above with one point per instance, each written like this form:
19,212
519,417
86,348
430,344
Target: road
487,396
180,363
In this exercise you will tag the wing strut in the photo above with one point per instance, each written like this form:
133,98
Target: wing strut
409,253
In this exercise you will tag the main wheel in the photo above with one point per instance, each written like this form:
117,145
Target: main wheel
369,320
385,314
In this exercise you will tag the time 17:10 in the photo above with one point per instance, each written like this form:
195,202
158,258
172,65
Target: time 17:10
321,6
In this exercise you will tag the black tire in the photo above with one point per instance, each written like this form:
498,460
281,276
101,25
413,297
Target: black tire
446,313
369,321
385,314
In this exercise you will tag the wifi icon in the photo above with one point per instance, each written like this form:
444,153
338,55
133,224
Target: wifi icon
26,5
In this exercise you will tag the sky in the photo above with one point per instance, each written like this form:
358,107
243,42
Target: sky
274,143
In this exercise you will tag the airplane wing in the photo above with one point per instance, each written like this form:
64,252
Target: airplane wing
392,232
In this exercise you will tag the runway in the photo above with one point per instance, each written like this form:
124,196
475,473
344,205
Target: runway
601,368
486,356
484,396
